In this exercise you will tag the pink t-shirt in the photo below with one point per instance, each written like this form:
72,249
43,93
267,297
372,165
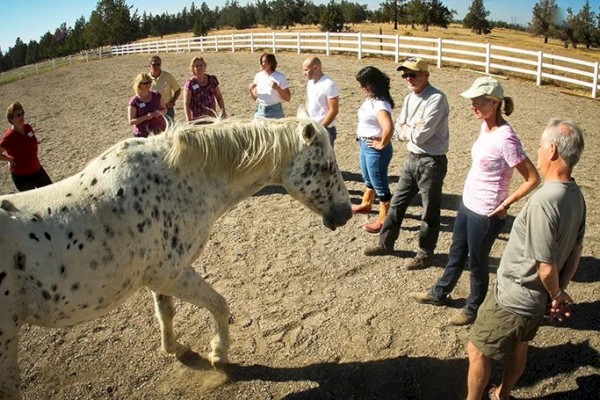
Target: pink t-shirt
494,155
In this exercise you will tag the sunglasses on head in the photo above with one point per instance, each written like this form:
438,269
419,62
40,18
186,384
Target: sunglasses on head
409,75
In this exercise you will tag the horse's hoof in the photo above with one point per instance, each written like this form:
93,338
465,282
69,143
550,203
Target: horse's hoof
216,361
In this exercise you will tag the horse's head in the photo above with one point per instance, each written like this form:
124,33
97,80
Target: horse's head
314,179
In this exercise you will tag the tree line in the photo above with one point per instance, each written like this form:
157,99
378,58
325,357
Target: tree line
113,22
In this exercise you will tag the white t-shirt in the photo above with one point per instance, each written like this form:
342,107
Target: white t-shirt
368,126
317,94
265,94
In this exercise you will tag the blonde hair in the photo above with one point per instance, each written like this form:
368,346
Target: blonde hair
201,59
141,77
12,108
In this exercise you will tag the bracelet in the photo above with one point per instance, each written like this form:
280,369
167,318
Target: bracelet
557,295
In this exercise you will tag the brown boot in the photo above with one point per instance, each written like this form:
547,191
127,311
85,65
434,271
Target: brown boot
367,201
375,226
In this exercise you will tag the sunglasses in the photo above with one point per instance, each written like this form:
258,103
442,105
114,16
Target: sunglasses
155,65
19,114
145,83
409,75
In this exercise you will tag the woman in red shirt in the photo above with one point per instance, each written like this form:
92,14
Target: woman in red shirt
19,147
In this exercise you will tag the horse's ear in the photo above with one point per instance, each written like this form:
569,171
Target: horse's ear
302,113
309,133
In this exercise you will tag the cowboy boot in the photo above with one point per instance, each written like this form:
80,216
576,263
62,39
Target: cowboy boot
375,226
367,201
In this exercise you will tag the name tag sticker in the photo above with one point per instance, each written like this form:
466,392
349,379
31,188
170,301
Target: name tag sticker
30,134
196,86
142,105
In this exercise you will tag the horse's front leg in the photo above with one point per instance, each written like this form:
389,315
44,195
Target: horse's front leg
190,287
10,379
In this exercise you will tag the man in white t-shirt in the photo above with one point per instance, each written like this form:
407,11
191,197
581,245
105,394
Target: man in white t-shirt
322,96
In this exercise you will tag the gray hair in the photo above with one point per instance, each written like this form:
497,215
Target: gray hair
568,138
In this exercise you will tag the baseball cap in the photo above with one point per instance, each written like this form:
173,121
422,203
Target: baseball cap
414,64
484,86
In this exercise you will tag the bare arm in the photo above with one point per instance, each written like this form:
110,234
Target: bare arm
253,91
4,156
334,108
174,98
133,120
285,94
531,179
570,267
187,98
387,130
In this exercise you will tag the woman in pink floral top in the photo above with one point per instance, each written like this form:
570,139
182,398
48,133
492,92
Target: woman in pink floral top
201,93
486,198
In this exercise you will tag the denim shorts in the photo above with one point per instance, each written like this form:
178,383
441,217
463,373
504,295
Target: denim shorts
274,111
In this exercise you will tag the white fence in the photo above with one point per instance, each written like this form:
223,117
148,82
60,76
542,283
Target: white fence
49,65
488,58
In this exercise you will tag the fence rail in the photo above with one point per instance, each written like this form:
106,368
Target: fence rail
488,58
49,65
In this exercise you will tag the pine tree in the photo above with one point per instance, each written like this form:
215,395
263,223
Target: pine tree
542,22
476,18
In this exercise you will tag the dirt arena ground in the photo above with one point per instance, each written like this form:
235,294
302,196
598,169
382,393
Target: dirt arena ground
314,318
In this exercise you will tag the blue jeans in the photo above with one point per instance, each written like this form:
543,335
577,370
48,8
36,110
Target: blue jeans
421,174
332,131
472,238
274,111
374,167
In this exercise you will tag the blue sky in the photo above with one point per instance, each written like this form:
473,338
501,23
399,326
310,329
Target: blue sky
31,19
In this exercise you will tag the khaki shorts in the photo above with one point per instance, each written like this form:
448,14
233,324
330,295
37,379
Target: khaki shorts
497,332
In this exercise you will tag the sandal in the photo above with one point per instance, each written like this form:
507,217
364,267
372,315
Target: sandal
493,396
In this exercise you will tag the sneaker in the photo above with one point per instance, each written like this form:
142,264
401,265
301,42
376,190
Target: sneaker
462,318
378,251
418,262
426,298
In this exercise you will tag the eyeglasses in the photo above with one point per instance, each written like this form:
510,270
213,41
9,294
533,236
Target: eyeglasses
409,75
145,83
19,114
155,64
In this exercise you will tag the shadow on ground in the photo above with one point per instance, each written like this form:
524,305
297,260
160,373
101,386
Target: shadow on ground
418,378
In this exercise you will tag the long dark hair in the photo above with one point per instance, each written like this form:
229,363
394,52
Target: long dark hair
377,82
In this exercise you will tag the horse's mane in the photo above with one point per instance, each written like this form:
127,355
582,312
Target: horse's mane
234,145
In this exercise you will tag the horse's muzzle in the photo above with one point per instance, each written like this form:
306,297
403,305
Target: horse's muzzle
337,216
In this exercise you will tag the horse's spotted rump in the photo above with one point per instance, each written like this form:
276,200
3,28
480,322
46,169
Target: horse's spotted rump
144,222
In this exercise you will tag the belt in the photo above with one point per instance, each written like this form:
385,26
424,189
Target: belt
365,138
424,155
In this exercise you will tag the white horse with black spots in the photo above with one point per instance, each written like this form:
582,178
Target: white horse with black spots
139,215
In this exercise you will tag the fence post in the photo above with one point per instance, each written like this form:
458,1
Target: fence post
488,57
439,49
397,56
538,79
251,42
359,38
70,61
327,43
298,42
595,80
274,42
216,44
37,70
232,43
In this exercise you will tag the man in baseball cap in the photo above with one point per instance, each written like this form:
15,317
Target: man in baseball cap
423,124
414,64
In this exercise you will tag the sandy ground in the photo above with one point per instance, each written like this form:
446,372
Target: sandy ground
314,318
